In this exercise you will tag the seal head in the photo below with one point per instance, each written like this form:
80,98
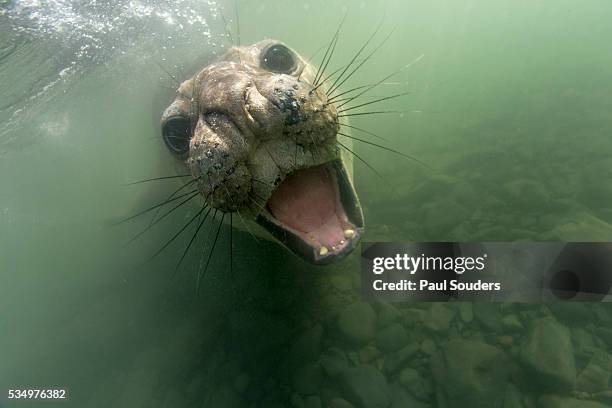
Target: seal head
260,139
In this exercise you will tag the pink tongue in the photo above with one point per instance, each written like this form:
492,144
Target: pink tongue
306,202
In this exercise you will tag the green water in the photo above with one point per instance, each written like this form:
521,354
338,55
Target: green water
510,107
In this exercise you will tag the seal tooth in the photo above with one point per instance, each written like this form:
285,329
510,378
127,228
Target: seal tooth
348,233
323,251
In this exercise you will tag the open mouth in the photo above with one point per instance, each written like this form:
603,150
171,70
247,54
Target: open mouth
315,212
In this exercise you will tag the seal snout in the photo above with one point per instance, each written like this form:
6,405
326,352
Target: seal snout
218,161
289,107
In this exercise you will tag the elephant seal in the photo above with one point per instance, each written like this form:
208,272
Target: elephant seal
260,138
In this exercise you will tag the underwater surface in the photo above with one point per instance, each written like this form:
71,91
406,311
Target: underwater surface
509,108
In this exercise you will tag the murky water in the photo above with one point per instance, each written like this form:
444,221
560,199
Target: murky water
510,105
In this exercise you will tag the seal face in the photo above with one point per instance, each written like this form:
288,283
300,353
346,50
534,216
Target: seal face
259,138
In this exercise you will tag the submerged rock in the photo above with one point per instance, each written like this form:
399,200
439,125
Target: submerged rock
225,397
512,323
527,193
307,379
442,216
596,375
471,374
391,338
512,397
395,361
368,354
548,355
556,401
333,361
439,317
489,315
583,341
312,402
582,226
402,399
339,403
604,397
465,312
387,314
415,384
357,323
306,348
365,387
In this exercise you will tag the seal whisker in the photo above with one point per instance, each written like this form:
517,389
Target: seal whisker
246,226
364,131
329,101
157,178
295,152
257,196
259,204
210,254
361,160
175,192
369,113
323,60
331,53
160,250
308,60
236,9
262,182
386,98
272,157
366,59
314,151
154,207
334,73
231,244
166,87
352,61
334,97
155,221
193,237
369,88
350,98
330,47
192,117
386,148
228,32
197,222
174,137
176,81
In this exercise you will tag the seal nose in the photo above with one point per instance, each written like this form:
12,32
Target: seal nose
290,108
289,96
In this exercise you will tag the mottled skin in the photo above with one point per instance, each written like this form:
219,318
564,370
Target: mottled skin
251,126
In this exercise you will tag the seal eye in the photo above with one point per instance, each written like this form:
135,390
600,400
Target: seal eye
278,58
176,133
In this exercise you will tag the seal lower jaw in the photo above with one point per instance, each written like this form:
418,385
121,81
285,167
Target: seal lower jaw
315,212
